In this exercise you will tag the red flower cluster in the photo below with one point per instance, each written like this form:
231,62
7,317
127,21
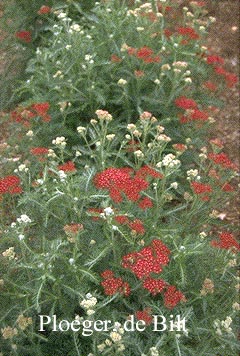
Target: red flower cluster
227,241
223,160
24,36
179,147
217,62
194,115
10,184
73,229
185,103
24,115
202,189
192,112
149,260
154,286
44,10
144,315
137,226
172,297
188,32
227,187
113,285
145,53
145,171
230,78
214,59
39,151
122,181
69,166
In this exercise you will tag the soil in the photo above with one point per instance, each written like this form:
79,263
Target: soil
223,40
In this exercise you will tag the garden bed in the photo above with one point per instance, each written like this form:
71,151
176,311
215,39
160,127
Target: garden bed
117,236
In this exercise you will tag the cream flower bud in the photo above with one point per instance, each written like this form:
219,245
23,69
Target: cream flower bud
122,82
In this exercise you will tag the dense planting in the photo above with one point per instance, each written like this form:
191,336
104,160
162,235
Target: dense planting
113,189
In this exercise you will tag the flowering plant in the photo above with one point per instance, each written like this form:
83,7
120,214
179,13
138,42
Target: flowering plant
115,244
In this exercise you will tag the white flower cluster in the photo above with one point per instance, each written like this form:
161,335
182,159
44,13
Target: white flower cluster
169,161
163,138
154,351
89,58
60,141
21,168
103,115
193,174
223,325
24,219
62,175
75,28
81,129
115,337
9,253
89,303
122,82
174,185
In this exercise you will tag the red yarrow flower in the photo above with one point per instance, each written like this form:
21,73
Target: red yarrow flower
144,52
24,36
144,315
148,260
137,227
189,32
215,59
172,297
146,171
73,229
67,167
185,103
201,188
145,203
44,10
113,285
39,151
154,286
226,241
227,187
10,184
222,160
41,108
179,147
231,79
122,219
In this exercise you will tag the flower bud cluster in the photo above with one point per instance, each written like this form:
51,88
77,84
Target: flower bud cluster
89,303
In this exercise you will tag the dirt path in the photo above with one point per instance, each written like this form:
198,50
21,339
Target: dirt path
224,40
